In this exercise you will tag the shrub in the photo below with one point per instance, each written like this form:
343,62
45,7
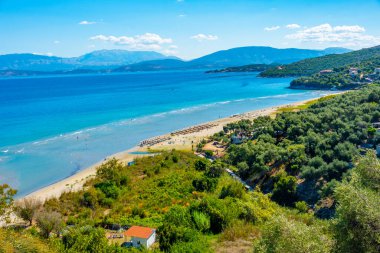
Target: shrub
201,221
233,190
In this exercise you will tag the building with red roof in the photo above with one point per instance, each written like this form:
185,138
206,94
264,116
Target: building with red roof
141,236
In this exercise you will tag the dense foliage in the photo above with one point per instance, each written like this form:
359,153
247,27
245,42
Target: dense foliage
314,65
245,68
299,155
340,78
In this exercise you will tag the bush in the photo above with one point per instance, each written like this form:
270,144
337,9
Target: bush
200,165
283,235
205,184
302,206
233,190
85,239
284,191
201,221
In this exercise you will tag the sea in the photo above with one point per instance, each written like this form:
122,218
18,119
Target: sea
51,127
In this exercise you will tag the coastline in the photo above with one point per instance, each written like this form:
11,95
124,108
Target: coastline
185,141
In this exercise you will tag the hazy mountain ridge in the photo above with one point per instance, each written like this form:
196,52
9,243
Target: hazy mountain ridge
123,60
94,60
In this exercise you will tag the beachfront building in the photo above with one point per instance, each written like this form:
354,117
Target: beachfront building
326,71
140,236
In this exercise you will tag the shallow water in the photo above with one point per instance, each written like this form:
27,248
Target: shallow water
52,127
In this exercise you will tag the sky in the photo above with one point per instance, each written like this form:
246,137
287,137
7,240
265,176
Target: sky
184,28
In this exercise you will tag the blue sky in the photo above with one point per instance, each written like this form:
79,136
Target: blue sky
185,28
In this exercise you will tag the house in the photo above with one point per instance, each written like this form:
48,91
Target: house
376,124
377,71
140,236
326,71
353,71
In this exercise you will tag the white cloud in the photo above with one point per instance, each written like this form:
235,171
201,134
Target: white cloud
202,37
344,35
46,54
147,41
182,15
135,41
293,26
272,28
56,42
85,22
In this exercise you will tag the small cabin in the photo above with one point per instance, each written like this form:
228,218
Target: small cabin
140,236
325,71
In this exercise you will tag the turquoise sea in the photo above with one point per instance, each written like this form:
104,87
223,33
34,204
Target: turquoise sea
52,127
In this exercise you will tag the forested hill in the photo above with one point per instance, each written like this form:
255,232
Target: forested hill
245,68
314,65
345,77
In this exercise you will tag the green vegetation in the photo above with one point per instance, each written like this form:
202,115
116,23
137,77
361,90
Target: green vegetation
245,68
305,165
298,155
341,78
314,65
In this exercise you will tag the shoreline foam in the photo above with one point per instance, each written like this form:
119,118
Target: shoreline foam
180,142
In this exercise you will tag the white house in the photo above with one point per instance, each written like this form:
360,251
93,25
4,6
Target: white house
140,236
353,71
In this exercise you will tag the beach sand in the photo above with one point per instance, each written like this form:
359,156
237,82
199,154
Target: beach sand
178,142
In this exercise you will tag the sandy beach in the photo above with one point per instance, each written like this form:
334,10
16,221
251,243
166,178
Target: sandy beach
183,139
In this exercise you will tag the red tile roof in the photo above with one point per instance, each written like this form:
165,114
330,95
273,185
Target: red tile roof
140,232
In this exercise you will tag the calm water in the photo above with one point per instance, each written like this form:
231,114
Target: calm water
52,127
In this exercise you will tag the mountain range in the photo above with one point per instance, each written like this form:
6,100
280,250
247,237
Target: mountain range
123,60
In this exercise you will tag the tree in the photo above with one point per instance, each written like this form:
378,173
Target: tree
284,191
289,235
6,201
85,239
48,222
358,214
200,165
27,208
233,190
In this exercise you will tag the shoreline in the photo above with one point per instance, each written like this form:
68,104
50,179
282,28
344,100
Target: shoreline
184,141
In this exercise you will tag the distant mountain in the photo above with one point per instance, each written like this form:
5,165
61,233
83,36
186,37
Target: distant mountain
314,65
260,55
94,60
119,57
234,57
123,60
166,64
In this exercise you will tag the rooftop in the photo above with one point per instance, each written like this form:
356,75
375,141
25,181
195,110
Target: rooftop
140,232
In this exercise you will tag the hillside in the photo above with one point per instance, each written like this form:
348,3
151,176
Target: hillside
305,164
245,68
314,65
345,77
156,65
